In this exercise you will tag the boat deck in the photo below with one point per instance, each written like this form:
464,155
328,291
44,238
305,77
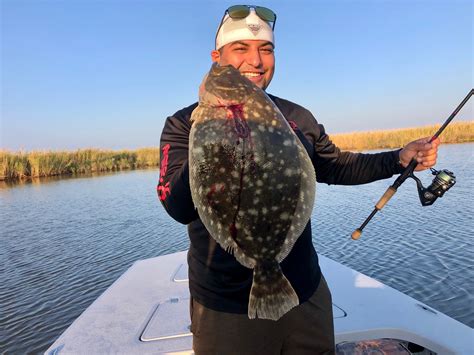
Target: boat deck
147,311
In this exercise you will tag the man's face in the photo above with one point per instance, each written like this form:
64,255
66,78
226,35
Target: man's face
253,58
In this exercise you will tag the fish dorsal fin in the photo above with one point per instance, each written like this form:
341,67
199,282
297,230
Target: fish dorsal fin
304,205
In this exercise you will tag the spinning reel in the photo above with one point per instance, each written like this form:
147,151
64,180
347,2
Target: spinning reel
442,182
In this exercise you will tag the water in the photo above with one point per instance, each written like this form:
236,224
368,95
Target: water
64,241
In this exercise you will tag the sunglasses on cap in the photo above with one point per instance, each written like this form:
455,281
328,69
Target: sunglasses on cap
242,11
238,12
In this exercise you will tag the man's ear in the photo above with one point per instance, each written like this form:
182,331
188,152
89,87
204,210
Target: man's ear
215,56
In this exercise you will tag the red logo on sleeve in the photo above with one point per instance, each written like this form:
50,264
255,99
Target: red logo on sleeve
164,189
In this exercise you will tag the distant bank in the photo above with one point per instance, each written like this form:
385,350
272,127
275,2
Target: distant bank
35,164
456,132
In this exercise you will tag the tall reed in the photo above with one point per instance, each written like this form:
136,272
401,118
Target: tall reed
456,132
50,163
21,165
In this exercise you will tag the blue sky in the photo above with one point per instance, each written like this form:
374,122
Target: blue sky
106,74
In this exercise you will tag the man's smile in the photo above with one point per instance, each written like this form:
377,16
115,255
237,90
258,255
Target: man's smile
253,76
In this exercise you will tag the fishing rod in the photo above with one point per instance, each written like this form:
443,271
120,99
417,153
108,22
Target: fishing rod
442,182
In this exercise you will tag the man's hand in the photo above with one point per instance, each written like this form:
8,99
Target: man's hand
425,153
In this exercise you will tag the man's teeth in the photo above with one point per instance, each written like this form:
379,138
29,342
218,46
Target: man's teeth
251,74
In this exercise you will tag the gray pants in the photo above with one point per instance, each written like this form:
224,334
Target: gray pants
306,329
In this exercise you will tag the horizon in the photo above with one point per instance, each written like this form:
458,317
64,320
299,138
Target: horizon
333,135
83,74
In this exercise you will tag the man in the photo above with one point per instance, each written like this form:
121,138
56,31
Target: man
219,285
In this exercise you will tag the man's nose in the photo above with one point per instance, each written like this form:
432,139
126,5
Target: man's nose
253,58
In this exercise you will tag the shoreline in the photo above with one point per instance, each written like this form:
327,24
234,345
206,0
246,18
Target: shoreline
24,166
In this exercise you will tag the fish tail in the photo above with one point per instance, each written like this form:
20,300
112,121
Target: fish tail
271,295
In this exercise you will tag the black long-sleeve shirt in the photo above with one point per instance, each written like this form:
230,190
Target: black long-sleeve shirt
216,279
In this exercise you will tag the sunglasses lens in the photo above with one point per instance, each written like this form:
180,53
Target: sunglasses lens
265,14
238,11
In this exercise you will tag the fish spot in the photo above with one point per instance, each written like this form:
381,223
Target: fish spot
253,212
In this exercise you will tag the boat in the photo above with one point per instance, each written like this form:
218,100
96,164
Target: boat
146,311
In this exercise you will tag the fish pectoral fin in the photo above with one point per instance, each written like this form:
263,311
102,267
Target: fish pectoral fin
271,295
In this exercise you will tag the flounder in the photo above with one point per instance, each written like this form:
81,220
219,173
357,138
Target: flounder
252,183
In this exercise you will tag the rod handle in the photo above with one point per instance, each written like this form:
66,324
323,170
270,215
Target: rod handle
385,197
356,234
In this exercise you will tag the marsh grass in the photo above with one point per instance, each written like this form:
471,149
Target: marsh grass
25,165
456,132
21,165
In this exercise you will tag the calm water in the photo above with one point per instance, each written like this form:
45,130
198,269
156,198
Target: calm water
63,242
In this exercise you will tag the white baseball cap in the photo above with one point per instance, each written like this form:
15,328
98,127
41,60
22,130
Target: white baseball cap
252,27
